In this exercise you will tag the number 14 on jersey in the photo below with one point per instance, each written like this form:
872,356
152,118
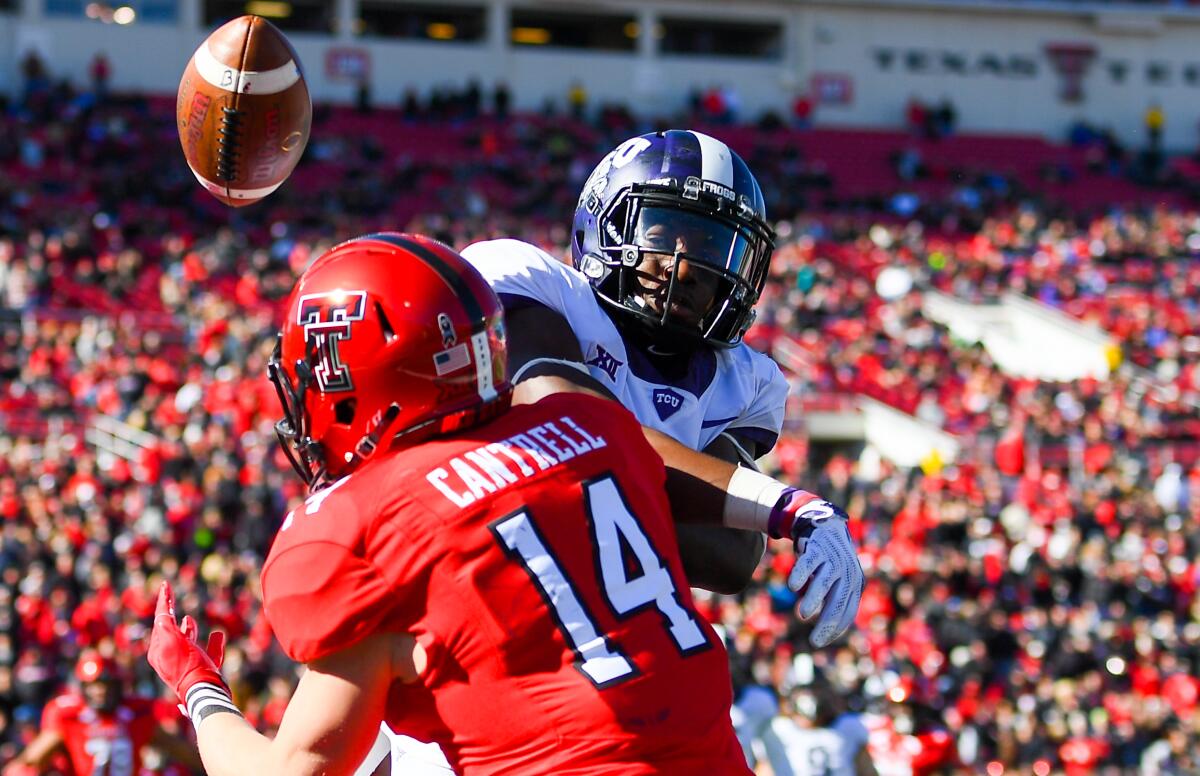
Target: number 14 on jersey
612,524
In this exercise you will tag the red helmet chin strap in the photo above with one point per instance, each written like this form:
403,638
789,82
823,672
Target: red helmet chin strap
437,426
445,424
369,443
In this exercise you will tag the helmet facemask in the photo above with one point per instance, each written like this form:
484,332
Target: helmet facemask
652,235
103,694
307,455
303,452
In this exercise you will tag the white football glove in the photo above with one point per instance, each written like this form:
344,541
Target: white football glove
826,561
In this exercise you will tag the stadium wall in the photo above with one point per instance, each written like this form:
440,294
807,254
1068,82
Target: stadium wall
1033,68
1026,69
153,56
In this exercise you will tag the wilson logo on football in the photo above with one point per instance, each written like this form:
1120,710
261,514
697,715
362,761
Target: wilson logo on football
326,319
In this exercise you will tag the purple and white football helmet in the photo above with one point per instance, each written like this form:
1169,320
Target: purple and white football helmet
684,199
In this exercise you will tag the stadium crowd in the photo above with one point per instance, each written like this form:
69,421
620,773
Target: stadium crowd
1032,607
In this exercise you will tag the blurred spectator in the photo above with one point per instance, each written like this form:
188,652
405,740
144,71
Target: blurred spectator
1174,753
802,111
812,738
713,105
100,729
732,102
916,114
1081,134
473,99
100,70
945,118
910,165
501,100
1154,119
362,95
410,105
1114,151
35,76
577,100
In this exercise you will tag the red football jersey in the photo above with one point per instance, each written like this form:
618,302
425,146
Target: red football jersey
102,744
535,559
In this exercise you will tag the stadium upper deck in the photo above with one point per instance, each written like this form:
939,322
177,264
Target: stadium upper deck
1028,66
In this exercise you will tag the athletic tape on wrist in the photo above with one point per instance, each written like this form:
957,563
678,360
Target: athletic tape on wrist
205,699
749,500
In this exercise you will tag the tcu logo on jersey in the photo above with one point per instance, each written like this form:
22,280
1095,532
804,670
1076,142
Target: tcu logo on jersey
666,402
326,319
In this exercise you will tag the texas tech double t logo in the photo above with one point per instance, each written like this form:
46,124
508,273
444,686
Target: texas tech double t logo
326,319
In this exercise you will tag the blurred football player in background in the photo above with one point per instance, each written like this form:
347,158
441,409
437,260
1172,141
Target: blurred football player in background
504,582
98,729
811,737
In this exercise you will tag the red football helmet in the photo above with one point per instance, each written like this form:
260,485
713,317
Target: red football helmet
94,667
100,680
385,334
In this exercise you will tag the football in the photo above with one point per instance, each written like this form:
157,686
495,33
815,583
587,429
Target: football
243,111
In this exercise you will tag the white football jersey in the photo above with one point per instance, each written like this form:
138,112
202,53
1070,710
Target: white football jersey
409,757
735,389
796,751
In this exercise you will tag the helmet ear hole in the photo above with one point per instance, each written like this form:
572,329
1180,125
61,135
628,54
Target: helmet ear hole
389,333
579,235
343,411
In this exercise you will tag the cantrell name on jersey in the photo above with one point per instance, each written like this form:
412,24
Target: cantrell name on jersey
496,466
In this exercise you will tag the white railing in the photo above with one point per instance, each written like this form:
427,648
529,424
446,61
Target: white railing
115,437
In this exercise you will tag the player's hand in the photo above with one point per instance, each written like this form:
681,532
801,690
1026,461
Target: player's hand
826,561
176,656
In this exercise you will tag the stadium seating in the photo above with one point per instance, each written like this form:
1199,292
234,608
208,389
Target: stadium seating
1036,602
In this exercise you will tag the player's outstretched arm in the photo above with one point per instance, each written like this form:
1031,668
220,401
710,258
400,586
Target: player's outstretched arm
37,754
827,567
330,723
328,728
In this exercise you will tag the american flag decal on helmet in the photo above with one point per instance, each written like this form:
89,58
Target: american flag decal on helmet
451,360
